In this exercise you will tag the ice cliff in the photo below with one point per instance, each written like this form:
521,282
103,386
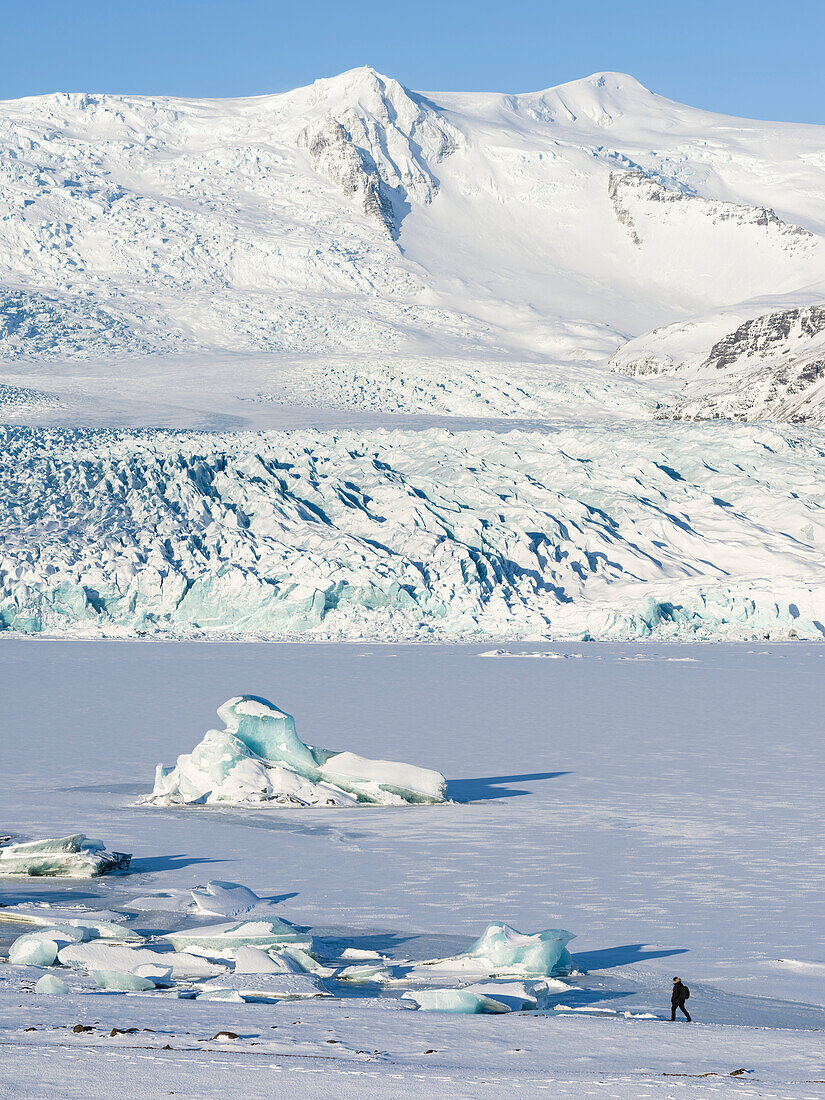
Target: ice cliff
662,530
259,757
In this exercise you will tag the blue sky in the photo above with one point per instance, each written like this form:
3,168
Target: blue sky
754,59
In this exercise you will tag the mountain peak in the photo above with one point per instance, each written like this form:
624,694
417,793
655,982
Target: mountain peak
600,98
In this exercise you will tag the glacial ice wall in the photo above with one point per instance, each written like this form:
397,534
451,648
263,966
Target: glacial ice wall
621,530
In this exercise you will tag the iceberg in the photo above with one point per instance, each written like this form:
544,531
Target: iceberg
259,757
67,857
518,996
502,951
372,973
301,955
254,960
98,923
40,948
453,1000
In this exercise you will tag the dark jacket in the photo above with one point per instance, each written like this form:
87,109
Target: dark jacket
679,994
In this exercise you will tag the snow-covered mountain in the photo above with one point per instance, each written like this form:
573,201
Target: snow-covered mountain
586,264
357,215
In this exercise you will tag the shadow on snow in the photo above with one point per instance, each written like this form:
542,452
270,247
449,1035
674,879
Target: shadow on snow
621,956
167,863
477,790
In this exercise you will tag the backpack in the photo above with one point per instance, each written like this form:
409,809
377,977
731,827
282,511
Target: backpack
686,991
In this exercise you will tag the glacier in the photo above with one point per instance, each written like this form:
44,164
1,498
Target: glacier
259,758
615,530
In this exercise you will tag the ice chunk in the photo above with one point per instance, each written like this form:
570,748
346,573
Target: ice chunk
503,951
159,975
45,913
69,857
221,995
270,987
453,1000
301,954
254,960
73,929
226,937
259,757
105,956
33,951
518,996
40,948
230,900
122,981
104,930
221,769
410,783
267,731
365,972
50,983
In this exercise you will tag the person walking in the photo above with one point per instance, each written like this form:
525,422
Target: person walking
677,999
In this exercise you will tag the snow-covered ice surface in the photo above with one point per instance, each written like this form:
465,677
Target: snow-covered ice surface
667,812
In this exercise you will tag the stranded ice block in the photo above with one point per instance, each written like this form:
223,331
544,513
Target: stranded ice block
64,857
503,952
259,757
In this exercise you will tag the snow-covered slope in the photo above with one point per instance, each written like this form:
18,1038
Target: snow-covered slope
763,363
356,214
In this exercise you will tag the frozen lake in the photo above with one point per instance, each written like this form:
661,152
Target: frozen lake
664,803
